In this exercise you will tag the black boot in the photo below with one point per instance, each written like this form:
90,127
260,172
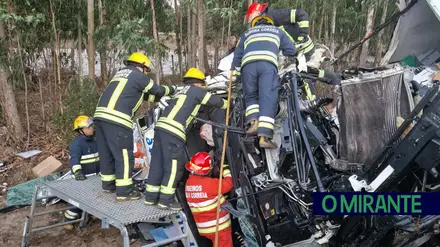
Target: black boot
134,195
175,206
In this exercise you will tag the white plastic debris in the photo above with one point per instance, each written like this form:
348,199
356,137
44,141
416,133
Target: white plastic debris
206,134
28,154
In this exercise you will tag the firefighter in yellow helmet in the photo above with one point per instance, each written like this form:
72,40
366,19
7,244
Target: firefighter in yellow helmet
168,155
83,158
114,127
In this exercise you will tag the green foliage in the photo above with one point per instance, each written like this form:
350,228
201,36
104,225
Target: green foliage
77,101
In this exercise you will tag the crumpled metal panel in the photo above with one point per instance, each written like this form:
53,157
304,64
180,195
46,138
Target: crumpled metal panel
368,113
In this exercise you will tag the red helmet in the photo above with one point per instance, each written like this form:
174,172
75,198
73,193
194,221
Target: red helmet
200,164
254,10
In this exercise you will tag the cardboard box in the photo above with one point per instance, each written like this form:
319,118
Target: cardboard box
47,166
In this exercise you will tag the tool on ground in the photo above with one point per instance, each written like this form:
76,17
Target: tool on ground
222,161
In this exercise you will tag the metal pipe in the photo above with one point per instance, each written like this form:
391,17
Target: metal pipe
56,225
53,211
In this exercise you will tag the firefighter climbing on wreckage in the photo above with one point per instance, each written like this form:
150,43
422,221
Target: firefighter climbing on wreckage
201,194
295,23
255,60
114,127
168,154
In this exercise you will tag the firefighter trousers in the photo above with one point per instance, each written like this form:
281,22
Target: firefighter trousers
224,237
166,168
116,158
260,88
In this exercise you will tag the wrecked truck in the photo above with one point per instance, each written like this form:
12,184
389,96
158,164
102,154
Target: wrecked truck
384,138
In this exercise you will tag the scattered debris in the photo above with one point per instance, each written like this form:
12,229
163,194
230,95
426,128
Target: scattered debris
47,166
29,154
3,166
22,194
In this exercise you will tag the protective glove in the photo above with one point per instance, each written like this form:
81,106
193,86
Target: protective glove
173,89
237,76
79,175
226,170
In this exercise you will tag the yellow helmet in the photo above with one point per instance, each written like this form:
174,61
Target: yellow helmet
258,18
194,73
139,58
82,122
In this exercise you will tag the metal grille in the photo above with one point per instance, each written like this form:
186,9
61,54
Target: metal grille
90,197
368,113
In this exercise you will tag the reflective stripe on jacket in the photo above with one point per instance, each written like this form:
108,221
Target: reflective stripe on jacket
262,43
83,154
184,106
125,93
201,195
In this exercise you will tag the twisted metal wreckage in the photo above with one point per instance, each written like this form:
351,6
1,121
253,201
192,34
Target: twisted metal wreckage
360,149
272,197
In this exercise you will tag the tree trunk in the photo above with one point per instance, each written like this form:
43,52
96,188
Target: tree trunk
333,29
222,43
193,39
379,47
28,124
216,57
177,29
72,54
156,41
321,22
103,52
80,58
181,40
56,45
90,30
326,39
201,28
7,98
189,38
369,28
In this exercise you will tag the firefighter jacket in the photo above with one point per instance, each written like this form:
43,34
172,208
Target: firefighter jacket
183,107
83,154
262,43
125,93
201,194
295,22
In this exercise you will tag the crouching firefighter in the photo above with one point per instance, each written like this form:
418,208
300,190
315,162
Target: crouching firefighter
256,60
201,194
83,158
114,127
168,155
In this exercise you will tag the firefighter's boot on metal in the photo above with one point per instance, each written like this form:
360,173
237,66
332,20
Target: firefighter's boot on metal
267,143
134,195
253,129
170,206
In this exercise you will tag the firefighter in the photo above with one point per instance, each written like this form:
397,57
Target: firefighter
201,194
256,58
294,22
83,158
168,155
114,128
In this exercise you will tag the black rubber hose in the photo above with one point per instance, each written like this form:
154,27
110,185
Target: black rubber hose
304,136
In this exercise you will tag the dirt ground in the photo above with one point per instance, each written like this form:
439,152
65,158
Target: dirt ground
12,223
